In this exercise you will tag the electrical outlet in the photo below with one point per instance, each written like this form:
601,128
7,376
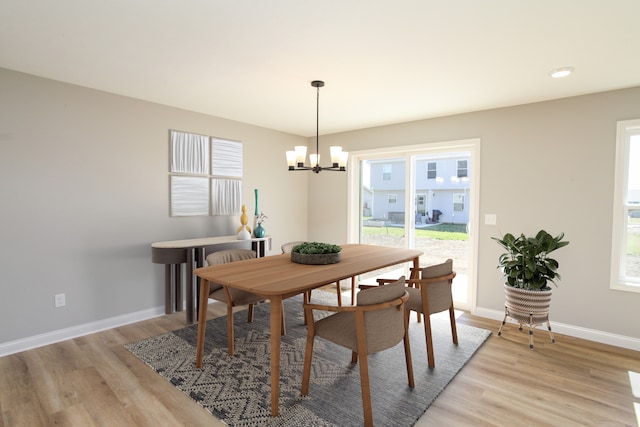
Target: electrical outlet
60,300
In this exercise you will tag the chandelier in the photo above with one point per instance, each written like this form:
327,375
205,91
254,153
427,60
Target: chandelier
296,159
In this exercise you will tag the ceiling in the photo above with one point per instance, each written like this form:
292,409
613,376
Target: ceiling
383,62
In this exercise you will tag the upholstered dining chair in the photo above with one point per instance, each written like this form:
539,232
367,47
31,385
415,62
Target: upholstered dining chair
234,297
286,249
378,322
429,294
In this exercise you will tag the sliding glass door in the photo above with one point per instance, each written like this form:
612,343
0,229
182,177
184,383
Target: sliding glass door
419,197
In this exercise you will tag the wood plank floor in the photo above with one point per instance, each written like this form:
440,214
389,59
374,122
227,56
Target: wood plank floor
94,381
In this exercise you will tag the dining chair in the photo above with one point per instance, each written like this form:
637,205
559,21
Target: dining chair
235,297
286,249
378,322
429,294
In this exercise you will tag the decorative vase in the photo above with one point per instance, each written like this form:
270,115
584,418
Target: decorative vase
244,228
258,231
244,234
257,212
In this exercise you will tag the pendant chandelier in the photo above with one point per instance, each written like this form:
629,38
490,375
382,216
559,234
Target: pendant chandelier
296,159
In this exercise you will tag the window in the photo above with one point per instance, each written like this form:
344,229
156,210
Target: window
458,202
463,170
431,170
392,198
625,252
386,173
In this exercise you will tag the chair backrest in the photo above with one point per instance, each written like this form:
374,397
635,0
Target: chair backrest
384,328
287,247
230,255
223,257
440,297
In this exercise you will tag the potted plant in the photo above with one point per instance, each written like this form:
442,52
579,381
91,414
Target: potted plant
528,271
315,253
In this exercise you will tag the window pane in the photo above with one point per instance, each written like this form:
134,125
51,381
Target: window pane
633,246
633,183
431,170
462,168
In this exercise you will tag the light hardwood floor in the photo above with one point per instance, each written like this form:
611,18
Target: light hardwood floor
94,381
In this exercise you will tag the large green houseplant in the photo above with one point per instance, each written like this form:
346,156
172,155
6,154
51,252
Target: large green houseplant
527,264
528,270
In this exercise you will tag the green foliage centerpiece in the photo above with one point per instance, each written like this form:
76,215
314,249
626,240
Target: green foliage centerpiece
316,253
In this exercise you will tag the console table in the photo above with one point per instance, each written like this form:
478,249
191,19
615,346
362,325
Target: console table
192,253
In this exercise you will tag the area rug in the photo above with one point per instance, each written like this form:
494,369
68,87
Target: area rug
237,389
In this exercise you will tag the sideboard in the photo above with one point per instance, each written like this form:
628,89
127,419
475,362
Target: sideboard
192,252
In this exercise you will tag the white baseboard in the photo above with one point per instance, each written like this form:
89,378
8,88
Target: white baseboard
573,331
28,343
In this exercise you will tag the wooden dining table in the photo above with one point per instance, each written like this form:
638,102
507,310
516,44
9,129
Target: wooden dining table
277,278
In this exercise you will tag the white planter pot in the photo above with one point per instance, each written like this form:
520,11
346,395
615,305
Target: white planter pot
529,308
527,303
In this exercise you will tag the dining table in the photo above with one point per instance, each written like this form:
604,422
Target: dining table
276,278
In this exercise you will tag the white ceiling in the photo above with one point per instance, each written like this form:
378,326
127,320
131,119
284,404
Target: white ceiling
382,61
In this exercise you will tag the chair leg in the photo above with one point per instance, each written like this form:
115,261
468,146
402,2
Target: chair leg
429,340
339,292
250,313
308,355
364,368
407,349
307,298
283,326
366,390
230,338
454,330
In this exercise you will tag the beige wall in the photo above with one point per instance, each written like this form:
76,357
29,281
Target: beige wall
84,191
546,165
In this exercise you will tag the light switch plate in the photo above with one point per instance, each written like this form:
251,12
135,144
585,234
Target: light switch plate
490,219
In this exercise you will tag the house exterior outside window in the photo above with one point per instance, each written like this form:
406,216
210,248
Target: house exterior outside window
458,202
432,170
386,172
463,169
385,198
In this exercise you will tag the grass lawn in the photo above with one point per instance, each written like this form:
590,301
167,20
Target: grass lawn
438,231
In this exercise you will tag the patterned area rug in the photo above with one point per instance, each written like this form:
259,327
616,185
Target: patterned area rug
237,389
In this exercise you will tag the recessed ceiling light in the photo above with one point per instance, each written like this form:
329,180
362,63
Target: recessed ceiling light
561,72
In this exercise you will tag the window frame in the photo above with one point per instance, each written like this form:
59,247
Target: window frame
619,281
